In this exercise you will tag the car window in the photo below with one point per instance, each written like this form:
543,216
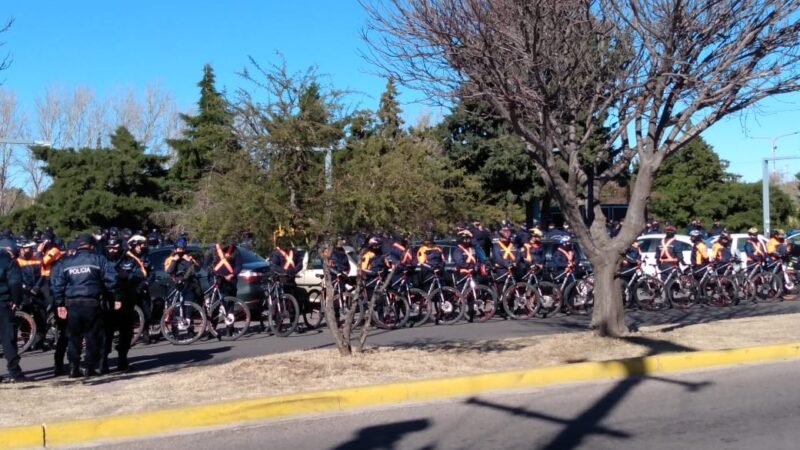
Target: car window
249,257
314,262
647,245
682,246
740,243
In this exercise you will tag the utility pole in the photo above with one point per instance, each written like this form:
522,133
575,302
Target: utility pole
765,189
774,144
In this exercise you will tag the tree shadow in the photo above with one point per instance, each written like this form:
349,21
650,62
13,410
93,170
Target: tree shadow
680,318
576,430
386,436
438,345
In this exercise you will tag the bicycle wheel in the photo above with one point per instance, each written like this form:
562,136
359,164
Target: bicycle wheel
284,315
767,286
313,311
343,305
25,330
448,305
649,292
682,291
519,301
548,298
51,332
228,319
391,310
484,302
183,325
580,296
138,324
420,307
722,292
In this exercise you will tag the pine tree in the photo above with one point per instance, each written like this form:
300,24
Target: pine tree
389,112
208,139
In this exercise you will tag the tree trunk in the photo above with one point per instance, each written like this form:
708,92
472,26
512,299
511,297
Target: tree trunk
608,318
362,340
342,341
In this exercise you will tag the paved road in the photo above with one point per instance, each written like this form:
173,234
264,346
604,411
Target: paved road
164,355
745,407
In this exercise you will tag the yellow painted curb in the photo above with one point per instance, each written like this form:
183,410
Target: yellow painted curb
22,437
170,420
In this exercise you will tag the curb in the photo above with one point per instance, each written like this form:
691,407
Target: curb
187,418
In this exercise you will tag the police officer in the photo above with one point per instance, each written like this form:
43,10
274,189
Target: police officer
10,296
141,276
50,255
129,277
78,285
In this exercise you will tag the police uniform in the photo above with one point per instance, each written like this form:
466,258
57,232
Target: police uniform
79,284
226,265
10,295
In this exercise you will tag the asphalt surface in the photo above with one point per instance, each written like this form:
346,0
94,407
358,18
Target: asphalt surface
163,355
743,407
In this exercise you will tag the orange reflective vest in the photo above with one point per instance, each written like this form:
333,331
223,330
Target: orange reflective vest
508,251
665,255
138,261
223,260
288,259
469,254
406,259
50,257
700,254
569,254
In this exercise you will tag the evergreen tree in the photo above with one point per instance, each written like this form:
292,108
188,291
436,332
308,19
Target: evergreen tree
117,186
207,138
390,123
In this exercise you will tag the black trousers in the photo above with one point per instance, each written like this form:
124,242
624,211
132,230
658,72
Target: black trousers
122,321
83,322
8,338
61,325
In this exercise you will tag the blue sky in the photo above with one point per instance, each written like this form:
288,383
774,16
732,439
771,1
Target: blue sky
109,45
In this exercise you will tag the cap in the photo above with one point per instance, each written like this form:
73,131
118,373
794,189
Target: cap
84,239
536,232
695,233
565,240
465,233
752,230
669,228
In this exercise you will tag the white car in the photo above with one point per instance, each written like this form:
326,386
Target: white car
649,242
312,266
738,240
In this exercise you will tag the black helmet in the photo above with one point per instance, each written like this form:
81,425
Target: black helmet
114,242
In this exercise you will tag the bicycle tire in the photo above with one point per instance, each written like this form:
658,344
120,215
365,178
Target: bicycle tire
51,333
234,325
681,291
346,302
25,331
768,287
722,292
579,296
284,323
649,294
448,305
484,302
314,312
183,331
138,324
395,310
519,301
420,311
549,298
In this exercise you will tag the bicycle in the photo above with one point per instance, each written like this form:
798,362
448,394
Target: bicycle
228,317
400,295
579,295
716,286
650,292
183,322
281,309
530,296
479,299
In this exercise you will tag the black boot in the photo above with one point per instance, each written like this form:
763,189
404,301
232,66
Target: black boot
123,365
74,371
104,370
58,370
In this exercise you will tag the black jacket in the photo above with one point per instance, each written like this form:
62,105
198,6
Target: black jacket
10,279
86,274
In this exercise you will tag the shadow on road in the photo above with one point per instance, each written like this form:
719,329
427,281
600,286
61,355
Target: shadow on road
589,422
386,436
437,345
697,315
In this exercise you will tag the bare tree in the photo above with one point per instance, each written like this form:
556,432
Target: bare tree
12,127
654,74
5,62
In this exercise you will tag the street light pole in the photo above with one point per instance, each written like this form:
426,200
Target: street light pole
773,141
765,190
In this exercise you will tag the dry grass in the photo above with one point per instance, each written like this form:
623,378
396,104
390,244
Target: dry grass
63,399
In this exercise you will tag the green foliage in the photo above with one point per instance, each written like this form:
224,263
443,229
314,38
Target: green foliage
411,188
390,123
488,149
120,186
693,183
208,137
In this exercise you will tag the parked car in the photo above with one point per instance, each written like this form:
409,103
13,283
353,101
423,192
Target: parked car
649,242
312,267
738,240
249,290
